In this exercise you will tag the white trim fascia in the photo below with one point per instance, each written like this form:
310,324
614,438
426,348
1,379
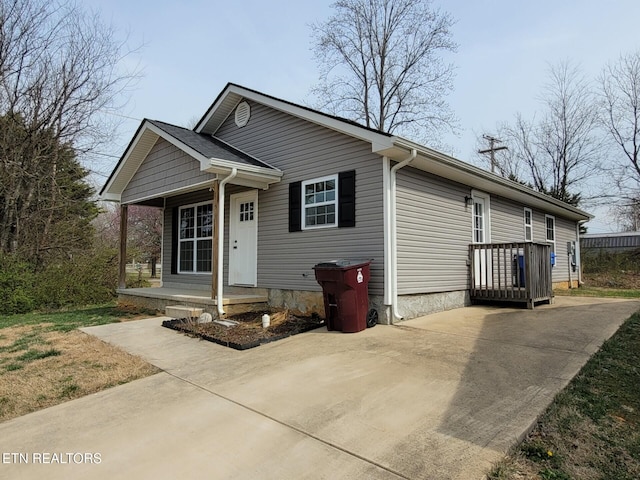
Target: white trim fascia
121,164
509,189
111,197
352,130
228,165
206,164
167,193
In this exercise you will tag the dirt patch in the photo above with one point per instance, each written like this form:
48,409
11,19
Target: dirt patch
248,332
41,368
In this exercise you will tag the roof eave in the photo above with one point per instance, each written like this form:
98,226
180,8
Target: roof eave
451,168
251,175
232,94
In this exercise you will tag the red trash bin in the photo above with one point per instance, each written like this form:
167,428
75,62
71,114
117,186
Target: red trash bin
345,288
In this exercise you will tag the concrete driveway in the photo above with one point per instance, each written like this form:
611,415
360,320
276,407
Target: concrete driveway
442,396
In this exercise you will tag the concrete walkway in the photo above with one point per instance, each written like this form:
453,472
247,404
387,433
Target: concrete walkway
442,396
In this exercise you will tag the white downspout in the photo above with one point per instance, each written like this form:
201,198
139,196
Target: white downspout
220,249
578,254
392,243
386,213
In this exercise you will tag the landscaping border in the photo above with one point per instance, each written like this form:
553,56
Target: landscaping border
180,325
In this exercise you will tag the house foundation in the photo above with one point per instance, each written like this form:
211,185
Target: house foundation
412,306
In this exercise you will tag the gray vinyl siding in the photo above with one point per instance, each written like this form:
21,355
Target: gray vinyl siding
507,221
304,151
435,229
434,233
565,232
166,168
507,225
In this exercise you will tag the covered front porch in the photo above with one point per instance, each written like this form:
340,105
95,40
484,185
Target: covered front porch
235,300
208,192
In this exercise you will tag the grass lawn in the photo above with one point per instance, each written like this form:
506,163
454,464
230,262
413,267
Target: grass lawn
587,291
46,360
592,429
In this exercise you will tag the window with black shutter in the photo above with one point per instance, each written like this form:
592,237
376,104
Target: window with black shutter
323,202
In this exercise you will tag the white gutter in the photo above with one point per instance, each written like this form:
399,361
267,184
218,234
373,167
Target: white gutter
391,233
220,249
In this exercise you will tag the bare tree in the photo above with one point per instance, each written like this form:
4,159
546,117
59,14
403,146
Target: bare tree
144,236
381,63
627,214
559,152
60,69
620,115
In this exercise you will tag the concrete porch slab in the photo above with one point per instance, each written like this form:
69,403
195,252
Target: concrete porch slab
162,297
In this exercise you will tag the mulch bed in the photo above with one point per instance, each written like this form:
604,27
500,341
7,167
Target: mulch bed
248,333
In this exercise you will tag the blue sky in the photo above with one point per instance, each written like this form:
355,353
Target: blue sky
193,48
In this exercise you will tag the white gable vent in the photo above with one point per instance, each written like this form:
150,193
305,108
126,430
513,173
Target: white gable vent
243,112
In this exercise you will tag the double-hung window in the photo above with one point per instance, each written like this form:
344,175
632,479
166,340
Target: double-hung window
528,225
320,202
551,231
195,238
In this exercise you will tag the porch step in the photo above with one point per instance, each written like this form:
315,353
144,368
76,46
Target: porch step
180,311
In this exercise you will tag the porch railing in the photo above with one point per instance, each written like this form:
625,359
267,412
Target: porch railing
511,272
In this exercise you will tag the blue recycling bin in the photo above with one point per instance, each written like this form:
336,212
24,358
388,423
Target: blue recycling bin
518,267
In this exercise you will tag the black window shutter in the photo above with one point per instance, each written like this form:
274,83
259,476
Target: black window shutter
347,199
175,212
295,206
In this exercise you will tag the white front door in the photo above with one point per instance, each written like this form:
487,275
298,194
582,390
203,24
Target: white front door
482,260
243,239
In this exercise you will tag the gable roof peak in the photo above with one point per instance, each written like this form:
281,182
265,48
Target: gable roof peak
226,102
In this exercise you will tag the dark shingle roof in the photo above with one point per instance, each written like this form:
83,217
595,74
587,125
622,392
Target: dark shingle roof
208,146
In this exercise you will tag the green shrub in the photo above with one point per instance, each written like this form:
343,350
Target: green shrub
600,261
16,285
89,278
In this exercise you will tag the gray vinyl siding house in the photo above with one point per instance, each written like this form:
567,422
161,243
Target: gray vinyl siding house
299,187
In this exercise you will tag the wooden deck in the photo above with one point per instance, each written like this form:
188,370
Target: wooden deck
511,272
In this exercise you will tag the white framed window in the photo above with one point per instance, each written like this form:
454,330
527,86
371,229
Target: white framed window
481,217
195,238
528,225
550,224
320,202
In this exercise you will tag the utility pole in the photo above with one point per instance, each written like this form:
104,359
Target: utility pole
492,150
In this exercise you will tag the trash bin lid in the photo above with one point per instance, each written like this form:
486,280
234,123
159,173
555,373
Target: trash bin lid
344,263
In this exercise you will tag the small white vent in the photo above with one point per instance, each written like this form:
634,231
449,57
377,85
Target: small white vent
243,112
